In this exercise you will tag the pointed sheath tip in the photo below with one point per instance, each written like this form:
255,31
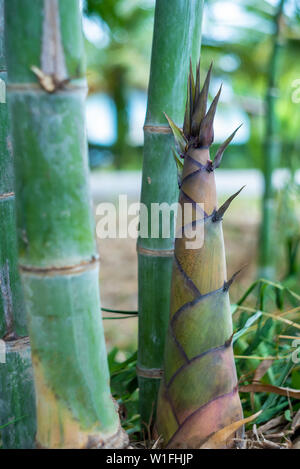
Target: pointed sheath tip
228,284
229,341
206,131
218,214
222,148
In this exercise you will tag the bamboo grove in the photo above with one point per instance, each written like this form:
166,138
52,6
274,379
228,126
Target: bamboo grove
199,393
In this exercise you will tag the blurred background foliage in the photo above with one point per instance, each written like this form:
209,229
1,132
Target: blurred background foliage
237,37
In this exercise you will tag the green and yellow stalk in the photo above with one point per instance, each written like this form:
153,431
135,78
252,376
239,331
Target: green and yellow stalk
57,248
198,394
17,406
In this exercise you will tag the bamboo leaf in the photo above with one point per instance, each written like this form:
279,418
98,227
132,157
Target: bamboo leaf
179,166
219,439
13,421
178,134
117,311
248,324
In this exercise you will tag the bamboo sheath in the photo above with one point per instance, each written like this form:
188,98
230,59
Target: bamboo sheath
17,406
57,249
177,35
198,394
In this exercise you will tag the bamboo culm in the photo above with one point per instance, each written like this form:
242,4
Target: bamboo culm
57,249
17,400
272,151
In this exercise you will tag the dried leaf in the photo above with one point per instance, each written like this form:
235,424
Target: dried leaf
296,443
260,387
262,369
296,422
46,81
219,439
273,423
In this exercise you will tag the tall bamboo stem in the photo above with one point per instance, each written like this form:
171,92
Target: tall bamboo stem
267,253
176,38
57,249
17,409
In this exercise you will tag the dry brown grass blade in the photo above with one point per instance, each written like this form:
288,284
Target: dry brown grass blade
274,423
219,439
259,387
262,369
296,422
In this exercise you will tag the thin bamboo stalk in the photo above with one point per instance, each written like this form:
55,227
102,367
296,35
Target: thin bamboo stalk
272,150
57,249
17,404
177,35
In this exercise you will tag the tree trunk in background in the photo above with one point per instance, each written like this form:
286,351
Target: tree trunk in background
57,249
272,149
177,35
17,406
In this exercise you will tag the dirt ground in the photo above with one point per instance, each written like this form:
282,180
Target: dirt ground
118,274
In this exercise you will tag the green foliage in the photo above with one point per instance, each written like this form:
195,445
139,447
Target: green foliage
258,338
124,388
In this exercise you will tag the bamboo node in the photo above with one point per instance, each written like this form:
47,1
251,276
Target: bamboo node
61,270
155,252
152,373
157,129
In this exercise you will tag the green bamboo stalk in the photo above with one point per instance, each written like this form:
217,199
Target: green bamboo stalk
198,394
17,404
177,36
57,249
272,149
